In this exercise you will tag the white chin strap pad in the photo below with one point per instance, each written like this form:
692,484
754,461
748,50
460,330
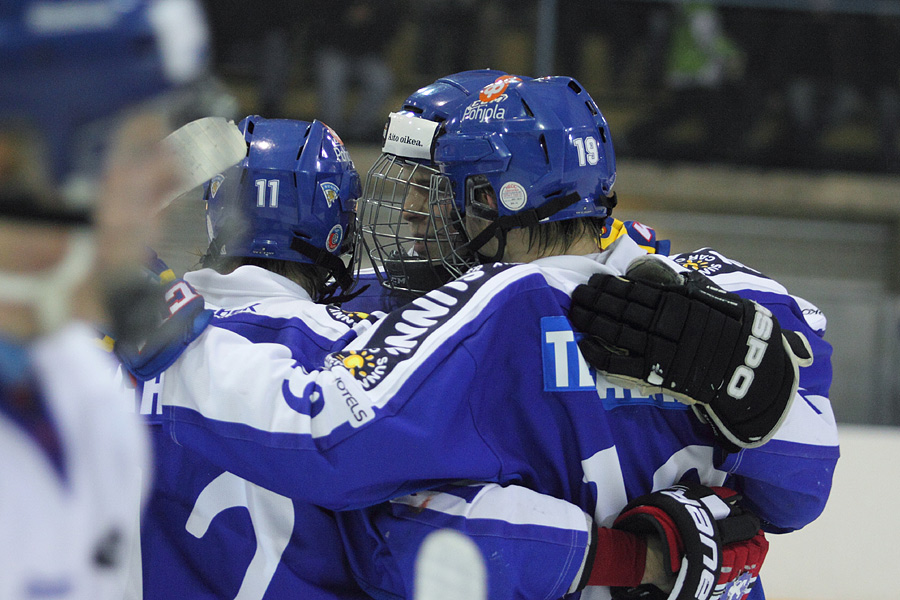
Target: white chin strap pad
50,292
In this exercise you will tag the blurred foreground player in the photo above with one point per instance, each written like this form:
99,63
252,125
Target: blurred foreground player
81,174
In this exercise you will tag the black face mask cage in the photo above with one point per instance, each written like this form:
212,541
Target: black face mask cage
410,226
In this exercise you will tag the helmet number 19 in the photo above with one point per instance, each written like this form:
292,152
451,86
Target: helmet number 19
588,152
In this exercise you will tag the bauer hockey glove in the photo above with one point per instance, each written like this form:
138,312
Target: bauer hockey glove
680,334
710,545
155,318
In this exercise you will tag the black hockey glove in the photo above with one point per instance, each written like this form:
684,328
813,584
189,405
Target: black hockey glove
680,334
710,544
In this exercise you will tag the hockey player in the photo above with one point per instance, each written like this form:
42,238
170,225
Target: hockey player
81,85
404,173
422,397
279,223
399,226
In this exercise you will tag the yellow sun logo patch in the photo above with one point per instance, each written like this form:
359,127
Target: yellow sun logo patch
696,264
360,364
708,264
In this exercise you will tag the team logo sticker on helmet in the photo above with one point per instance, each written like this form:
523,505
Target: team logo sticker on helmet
493,91
335,236
487,106
331,192
513,196
214,184
339,149
334,135
484,112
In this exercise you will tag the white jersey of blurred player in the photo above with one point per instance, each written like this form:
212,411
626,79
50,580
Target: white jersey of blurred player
81,115
71,479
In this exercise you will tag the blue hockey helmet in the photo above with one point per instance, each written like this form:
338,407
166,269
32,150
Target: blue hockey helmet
292,198
535,141
542,148
68,67
399,230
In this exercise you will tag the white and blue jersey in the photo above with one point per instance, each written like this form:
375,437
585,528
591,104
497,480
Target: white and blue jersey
482,380
208,533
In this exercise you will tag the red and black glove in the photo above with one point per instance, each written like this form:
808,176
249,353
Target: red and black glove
711,546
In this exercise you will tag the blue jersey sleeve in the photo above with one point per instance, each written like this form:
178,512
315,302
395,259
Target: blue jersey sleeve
331,435
513,527
788,480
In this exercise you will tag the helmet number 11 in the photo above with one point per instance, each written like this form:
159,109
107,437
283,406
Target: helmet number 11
261,185
588,153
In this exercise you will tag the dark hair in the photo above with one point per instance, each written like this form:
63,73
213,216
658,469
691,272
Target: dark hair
558,236
555,236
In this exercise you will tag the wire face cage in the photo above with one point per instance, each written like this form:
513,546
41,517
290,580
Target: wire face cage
410,226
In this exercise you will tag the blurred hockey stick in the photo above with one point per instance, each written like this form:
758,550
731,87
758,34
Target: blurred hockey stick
449,566
203,148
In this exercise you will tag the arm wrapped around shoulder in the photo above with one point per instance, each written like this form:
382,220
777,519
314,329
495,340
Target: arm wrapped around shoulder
680,334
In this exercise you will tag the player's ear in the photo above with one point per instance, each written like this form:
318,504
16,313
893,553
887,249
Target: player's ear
487,196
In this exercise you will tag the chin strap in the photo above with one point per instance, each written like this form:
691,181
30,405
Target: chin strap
50,292
343,278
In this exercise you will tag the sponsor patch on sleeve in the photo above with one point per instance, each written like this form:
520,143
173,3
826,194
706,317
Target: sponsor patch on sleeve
564,367
709,262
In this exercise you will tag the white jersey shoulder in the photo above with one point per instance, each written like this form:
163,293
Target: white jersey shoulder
251,292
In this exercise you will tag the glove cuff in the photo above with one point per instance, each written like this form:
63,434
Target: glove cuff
685,517
619,558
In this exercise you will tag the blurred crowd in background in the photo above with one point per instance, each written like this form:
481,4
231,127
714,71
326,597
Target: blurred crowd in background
806,84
